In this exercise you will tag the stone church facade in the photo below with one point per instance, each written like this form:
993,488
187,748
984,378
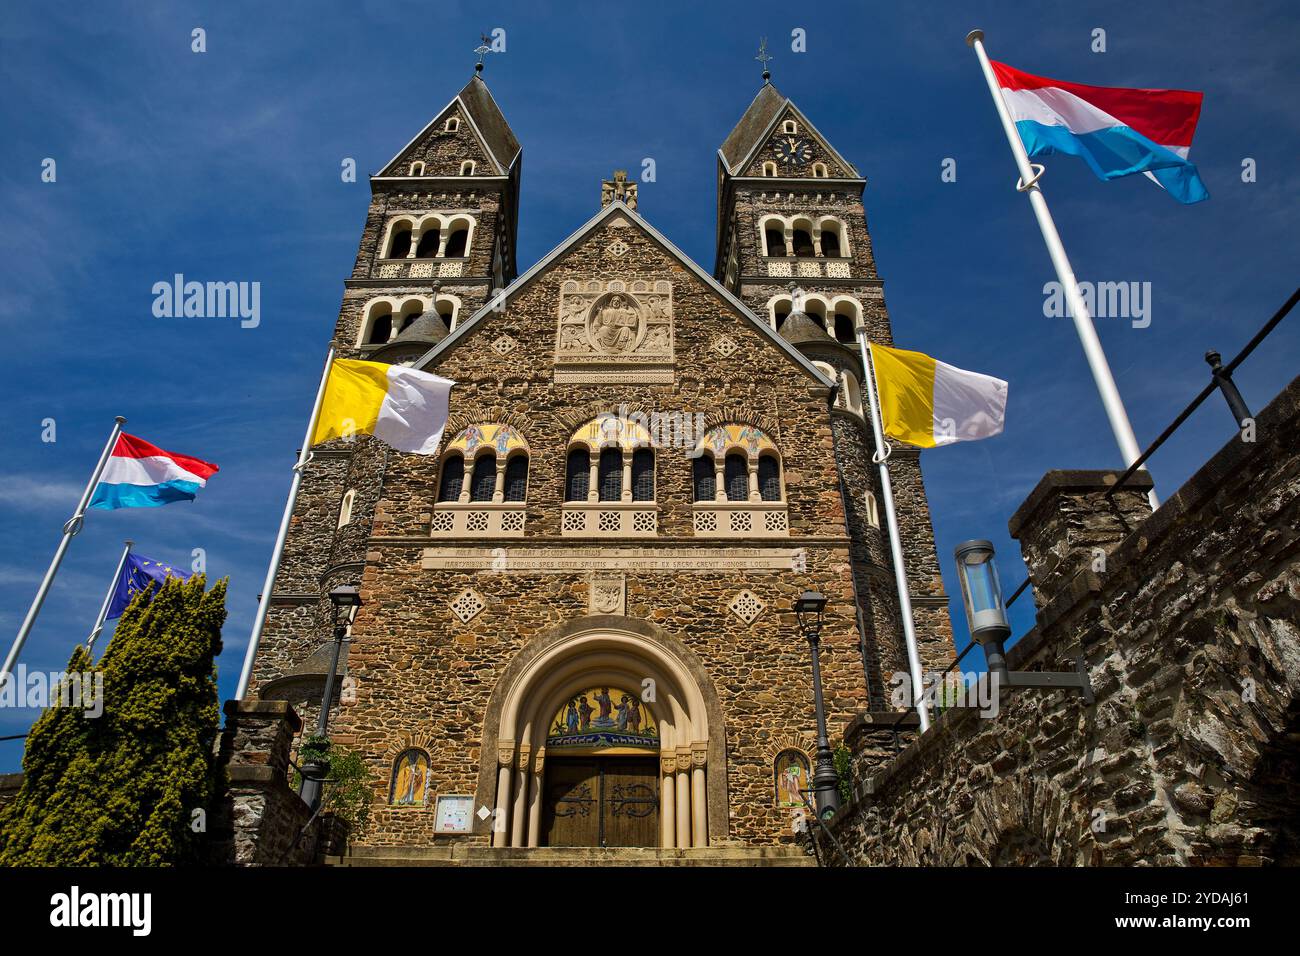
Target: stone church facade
577,626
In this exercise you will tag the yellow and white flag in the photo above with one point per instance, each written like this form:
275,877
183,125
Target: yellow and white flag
927,403
402,407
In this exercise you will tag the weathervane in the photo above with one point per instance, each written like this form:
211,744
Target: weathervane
482,50
763,57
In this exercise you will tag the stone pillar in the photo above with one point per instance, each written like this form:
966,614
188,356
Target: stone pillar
1068,524
499,485
593,475
719,478
535,804
627,475
667,793
683,780
500,820
258,819
699,796
753,480
519,816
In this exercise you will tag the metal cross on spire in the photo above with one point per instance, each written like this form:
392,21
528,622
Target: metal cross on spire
763,57
483,49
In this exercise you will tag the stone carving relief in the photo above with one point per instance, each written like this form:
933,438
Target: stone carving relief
615,331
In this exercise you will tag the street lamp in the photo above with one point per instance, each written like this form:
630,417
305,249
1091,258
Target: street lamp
986,615
808,610
346,599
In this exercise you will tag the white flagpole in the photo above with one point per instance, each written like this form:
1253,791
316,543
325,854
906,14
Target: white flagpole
264,603
108,599
895,542
1028,184
70,530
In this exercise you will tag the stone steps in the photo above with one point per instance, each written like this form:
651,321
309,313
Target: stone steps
460,855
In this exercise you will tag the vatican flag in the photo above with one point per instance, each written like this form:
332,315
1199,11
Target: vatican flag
402,407
927,403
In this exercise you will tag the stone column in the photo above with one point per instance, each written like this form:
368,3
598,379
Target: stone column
753,480
505,770
519,816
699,797
719,478
683,781
535,803
667,793
627,475
416,232
593,475
499,487
1068,524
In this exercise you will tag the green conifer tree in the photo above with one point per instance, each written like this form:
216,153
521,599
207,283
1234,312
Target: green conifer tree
123,788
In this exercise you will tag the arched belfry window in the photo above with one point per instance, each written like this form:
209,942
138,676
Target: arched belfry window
410,780
400,244
381,326
455,248
429,239
830,243
775,241
803,244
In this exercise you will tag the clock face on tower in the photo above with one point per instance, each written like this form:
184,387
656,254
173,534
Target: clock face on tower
793,150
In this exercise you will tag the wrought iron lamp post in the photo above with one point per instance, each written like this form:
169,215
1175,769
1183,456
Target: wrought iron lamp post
346,599
808,610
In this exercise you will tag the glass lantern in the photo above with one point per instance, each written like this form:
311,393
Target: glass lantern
981,592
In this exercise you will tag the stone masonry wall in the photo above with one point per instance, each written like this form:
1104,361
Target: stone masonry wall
1187,621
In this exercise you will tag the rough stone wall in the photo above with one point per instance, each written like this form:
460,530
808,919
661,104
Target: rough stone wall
257,819
1189,634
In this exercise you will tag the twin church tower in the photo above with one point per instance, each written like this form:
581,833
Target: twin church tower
577,628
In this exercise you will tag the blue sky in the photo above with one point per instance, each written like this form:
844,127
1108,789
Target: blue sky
225,166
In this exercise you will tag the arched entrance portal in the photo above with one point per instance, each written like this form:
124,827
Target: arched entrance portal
602,738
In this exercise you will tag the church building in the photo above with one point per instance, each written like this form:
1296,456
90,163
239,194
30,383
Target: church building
577,626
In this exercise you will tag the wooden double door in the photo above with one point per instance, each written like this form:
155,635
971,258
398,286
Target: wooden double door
601,801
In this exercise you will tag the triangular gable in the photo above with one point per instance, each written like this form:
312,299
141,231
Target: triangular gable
498,301
777,116
486,121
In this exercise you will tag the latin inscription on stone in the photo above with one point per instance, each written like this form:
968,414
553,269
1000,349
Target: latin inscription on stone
531,560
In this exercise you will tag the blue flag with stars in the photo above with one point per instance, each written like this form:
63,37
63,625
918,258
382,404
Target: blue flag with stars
136,574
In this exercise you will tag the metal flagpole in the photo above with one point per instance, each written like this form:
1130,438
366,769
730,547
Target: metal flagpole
895,542
70,529
108,599
1028,184
264,603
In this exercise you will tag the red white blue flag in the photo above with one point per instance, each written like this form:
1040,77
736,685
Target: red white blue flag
1116,131
141,475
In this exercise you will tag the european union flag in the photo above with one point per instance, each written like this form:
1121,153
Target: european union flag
136,574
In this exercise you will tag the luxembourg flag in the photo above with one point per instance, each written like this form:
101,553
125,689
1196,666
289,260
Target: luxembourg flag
141,475
1116,131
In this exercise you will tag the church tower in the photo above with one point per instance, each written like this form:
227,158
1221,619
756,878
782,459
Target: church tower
792,232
